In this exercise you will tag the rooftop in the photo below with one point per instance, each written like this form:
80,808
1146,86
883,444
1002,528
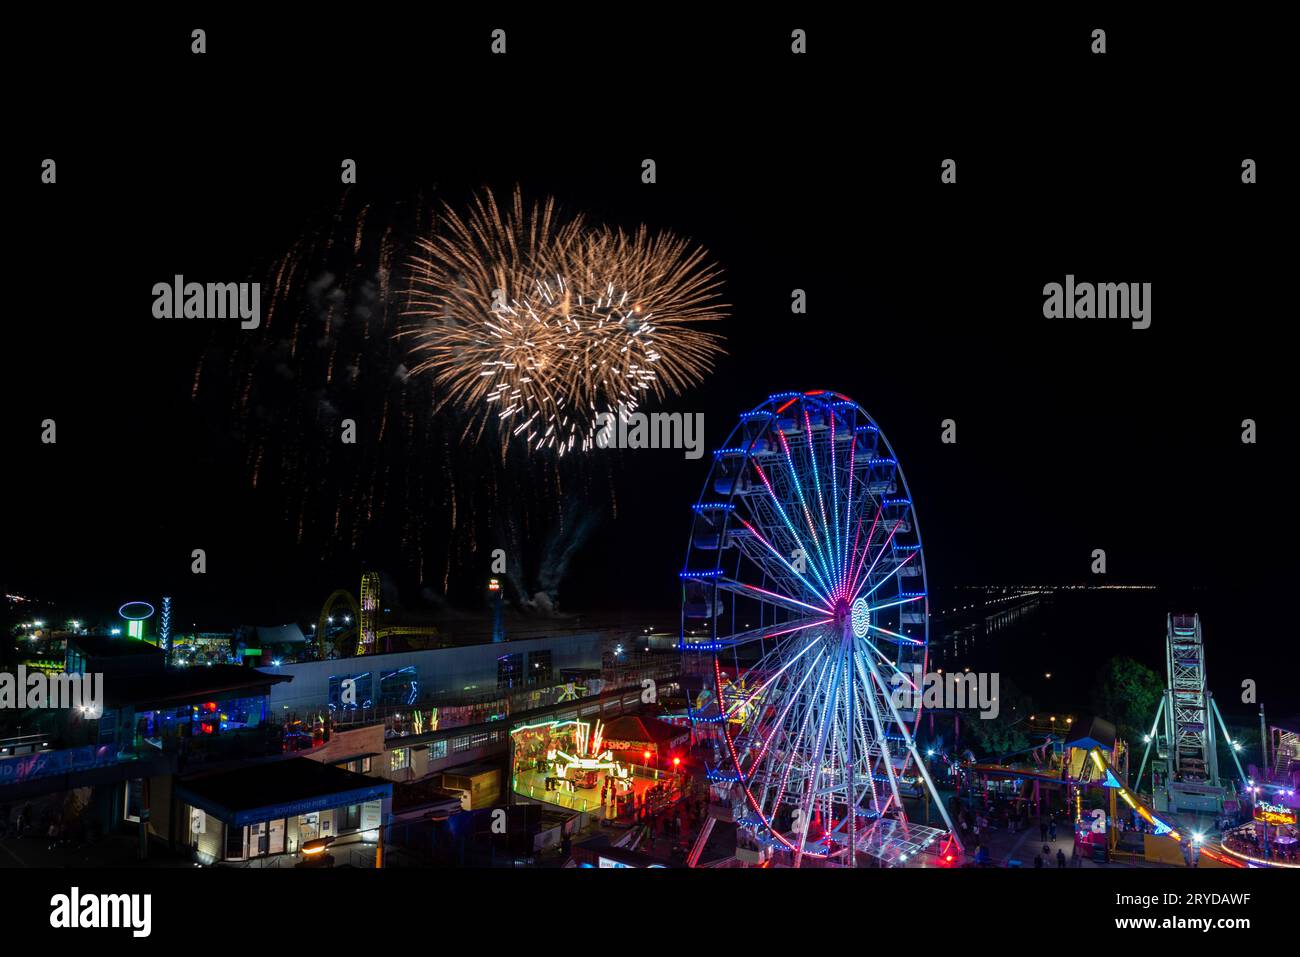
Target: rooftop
175,686
276,785
101,646
1088,732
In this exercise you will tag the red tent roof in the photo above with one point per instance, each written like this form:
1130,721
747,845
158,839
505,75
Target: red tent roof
635,727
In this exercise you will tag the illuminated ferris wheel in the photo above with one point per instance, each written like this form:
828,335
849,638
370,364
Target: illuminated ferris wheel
804,608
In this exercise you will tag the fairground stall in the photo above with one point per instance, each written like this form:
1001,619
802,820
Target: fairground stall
579,765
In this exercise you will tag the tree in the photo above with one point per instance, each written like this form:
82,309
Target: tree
991,737
1127,693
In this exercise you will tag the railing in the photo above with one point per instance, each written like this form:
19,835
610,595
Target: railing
503,703
24,742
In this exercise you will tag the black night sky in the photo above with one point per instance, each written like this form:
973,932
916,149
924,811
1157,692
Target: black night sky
925,303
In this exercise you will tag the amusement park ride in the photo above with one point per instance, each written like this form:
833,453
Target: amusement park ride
1187,738
356,628
803,595
586,766
1190,788
573,754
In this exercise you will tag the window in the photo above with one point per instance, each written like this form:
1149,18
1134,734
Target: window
401,687
438,749
133,801
350,818
276,832
362,687
510,671
258,839
107,730
400,759
539,667
235,842
460,744
359,766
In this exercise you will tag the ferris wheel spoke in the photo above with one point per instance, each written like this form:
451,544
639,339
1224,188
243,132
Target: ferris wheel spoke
795,535
769,597
910,743
780,722
794,543
864,501
869,767
842,743
756,634
803,502
832,548
893,667
804,718
760,558
896,569
828,692
840,540
886,757
771,682
893,604
893,634
860,580
790,638
855,560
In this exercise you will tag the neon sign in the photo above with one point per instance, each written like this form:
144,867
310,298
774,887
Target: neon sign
1270,813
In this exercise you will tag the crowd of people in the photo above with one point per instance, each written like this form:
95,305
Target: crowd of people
976,825
1003,815
1246,841
671,823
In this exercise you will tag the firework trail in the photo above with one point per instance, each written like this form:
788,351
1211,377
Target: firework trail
536,323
